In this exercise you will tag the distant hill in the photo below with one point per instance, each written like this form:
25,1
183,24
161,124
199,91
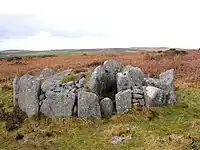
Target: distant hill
14,51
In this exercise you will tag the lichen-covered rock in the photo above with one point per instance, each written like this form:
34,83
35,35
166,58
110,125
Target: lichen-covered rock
94,77
106,106
137,91
135,75
129,78
47,73
52,82
154,96
58,104
138,96
81,81
167,79
122,82
123,101
88,105
153,82
28,94
112,66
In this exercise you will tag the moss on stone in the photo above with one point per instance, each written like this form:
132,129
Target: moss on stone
71,77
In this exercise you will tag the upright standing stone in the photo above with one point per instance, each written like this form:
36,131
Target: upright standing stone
106,105
58,104
88,105
122,82
94,77
123,101
167,84
28,94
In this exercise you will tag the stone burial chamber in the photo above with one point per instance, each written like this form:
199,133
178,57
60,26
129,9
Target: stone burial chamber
110,89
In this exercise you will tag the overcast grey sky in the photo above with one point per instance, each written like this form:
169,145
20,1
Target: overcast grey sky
50,24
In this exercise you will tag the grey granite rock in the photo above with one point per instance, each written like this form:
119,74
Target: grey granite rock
123,101
58,104
106,106
88,105
28,94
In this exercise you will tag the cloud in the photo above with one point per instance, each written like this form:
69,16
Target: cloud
53,24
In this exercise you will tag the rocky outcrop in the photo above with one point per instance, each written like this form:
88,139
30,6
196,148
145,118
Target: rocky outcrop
110,89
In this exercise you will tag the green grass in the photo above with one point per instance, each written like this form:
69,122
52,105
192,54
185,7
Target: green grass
6,99
169,128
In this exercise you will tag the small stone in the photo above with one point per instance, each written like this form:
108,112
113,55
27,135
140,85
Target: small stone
106,106
137,91
58,89
152,82
142,102
137,96
79,85
41,97
119,139
70,83
135,101
73,90
81,81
